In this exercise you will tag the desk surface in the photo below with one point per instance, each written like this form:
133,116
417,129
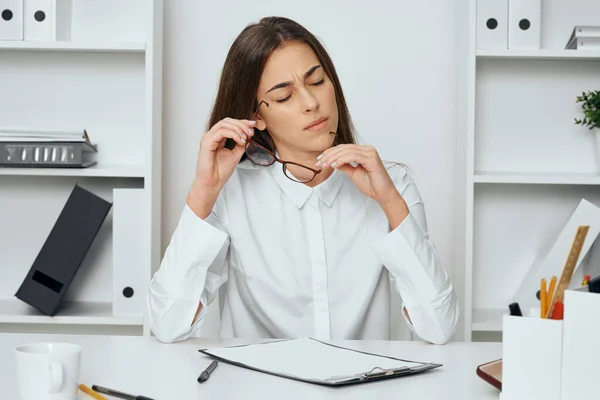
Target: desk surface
144,366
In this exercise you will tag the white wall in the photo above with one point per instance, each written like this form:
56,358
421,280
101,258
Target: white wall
398,67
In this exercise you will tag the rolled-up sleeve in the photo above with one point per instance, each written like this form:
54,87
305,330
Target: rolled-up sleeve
413,261
192,270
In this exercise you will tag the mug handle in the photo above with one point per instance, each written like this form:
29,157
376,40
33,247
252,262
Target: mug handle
56,377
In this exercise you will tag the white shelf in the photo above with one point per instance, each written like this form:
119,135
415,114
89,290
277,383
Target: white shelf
487,320
73,46
109,81
108,171
538,178
71,313
542,54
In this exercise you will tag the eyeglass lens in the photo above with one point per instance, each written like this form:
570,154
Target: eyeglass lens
262,157
258,155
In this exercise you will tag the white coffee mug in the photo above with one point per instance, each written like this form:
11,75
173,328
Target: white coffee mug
48,371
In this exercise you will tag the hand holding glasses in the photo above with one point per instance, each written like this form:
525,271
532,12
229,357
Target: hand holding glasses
216,162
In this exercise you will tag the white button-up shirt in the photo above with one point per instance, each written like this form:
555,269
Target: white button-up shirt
300,261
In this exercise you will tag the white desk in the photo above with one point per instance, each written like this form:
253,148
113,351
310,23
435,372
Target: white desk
144,366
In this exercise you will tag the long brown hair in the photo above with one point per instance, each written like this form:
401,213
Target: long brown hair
240,77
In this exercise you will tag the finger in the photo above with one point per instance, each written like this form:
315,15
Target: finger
336,151
332,150
241,135
238,152
331,157
229,133
244,125
356,156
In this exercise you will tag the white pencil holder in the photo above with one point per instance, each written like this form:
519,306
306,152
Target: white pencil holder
531,358
580,353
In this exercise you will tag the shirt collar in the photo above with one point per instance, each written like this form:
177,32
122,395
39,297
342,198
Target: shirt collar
299,193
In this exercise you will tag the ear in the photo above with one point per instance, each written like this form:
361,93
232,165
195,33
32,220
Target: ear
260,123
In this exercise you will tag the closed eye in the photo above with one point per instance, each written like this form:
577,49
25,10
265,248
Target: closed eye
322,81
284,99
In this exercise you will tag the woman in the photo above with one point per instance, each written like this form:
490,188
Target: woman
301,226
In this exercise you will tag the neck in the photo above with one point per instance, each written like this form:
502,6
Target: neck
308,159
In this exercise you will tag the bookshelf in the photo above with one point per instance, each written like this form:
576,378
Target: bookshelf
541,54
108,80
527,164
107,171
72,313
99,46
539,178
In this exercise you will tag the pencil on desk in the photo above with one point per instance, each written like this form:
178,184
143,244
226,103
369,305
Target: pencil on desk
91,392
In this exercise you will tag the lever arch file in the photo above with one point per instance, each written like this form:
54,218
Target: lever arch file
61,255
313,361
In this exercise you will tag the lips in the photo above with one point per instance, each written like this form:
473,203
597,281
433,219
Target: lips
316,122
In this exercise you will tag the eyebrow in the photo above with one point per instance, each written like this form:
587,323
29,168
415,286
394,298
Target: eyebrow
289,83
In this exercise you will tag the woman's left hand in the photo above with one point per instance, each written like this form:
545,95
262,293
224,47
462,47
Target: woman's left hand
369,176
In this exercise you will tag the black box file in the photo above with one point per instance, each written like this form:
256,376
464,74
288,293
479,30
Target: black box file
63,251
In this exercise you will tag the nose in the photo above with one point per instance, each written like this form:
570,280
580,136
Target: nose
309,101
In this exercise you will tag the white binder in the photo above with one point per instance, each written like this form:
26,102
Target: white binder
11,19
492,24
524,24
48,19
129,263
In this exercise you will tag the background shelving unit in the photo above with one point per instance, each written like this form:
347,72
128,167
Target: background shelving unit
528,165
108,80
100,47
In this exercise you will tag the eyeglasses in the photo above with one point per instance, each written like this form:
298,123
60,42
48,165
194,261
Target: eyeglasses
262,156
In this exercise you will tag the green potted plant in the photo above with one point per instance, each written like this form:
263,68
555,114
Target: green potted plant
590,105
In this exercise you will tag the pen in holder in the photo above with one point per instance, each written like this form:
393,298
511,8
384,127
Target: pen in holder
531,358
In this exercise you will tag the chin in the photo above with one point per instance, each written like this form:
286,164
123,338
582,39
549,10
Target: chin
324,141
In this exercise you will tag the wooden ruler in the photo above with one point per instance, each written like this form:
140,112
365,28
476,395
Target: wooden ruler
567,273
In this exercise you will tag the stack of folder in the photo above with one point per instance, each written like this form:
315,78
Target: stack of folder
30,148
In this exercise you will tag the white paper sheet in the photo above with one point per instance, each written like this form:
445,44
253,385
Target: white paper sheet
308,359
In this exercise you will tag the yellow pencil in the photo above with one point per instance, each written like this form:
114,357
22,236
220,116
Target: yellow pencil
550,291
543,299
91,392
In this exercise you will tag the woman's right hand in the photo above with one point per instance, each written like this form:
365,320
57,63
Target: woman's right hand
216,163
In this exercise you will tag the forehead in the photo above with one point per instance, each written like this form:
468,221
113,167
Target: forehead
289,61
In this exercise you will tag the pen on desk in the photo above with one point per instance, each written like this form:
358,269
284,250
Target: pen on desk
515,310
91,392
206,373
116,393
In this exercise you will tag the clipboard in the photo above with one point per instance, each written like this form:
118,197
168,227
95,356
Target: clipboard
289,355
